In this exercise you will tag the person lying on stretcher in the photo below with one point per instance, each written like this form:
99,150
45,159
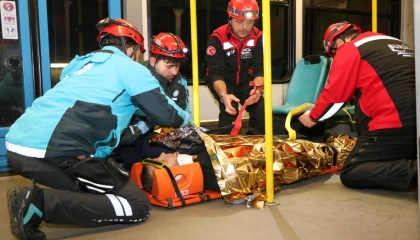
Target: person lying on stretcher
176,159
147,173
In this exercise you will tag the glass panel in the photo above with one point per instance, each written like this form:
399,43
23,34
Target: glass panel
317,20
327,3
11,80
71,25
210,15
322,20
383,6
279,50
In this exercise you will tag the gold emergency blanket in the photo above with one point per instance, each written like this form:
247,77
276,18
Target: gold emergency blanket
239,163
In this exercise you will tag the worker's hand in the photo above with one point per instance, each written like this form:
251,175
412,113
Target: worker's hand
187,119
306,120
227,100
129,135
254,96
259,82
142,125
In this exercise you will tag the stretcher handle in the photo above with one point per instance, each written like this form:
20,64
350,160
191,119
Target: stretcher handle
293,112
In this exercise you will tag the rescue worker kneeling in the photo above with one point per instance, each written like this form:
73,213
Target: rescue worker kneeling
84,115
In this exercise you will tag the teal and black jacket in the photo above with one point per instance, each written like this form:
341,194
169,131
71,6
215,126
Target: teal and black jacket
85,113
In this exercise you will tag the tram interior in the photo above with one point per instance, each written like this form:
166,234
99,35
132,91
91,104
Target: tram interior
317,208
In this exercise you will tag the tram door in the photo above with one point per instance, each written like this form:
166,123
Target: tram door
37,40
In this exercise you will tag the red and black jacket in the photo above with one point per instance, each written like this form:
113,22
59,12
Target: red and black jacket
232,60
381,69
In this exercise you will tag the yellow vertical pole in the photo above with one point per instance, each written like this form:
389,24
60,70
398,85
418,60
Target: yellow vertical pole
268,102
194,54
374,16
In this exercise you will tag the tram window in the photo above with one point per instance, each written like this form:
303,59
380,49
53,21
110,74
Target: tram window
319,14
11,82
174,16
72,30
383,6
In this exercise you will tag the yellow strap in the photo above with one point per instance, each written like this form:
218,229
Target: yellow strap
348,114
293,112
154,163
299,110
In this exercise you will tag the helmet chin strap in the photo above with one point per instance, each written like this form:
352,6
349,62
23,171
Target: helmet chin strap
124,46
135,49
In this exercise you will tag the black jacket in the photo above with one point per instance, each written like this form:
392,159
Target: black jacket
232,60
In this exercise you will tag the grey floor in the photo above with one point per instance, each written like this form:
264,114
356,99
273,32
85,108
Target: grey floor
318,208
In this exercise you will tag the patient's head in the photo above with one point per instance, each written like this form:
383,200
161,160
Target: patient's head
147,172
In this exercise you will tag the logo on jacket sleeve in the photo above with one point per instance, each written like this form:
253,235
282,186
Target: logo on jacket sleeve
211,50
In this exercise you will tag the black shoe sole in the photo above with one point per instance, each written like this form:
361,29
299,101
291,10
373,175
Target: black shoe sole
16,227
11,198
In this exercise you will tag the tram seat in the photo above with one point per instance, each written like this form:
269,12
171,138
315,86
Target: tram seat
308,80
306,84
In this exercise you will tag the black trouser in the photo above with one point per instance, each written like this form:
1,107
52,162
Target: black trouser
65,203
140,150
256,110
384,159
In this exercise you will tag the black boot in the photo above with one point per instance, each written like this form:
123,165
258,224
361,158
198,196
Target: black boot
26,209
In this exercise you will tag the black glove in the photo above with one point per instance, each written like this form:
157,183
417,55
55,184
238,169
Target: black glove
130,135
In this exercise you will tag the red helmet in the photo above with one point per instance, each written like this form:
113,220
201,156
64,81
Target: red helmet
169,45
333,31
120,28
243,9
